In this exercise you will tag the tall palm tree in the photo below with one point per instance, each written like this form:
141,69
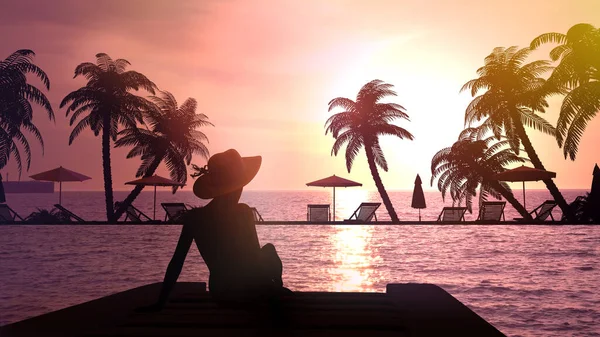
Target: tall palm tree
579,72
106,103
172,138
360,125
16,111
514,91
470,164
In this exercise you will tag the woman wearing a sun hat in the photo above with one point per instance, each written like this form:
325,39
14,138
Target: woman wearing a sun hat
225,234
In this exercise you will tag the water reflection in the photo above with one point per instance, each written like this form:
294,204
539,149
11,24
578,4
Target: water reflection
354,259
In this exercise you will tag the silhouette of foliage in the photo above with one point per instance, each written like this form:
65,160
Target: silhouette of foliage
579,73
104,104
171,136
514,92
470,165
16,111
586,208
44,216
361,124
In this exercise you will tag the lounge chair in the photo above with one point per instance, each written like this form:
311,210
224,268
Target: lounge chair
491,211
365,212
134,214
452,214
318,213
173,209
8,215
542,212
257,216
68,213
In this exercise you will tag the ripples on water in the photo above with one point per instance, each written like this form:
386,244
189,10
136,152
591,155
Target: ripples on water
525,280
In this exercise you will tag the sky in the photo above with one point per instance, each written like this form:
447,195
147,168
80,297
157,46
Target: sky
263,71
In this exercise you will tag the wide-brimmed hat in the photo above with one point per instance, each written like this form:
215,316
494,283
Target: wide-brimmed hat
226,172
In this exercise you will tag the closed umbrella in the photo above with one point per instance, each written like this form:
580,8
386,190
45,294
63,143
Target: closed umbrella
334,181
418,198
154,181
2,195
595,191
59,175
593,199
524,173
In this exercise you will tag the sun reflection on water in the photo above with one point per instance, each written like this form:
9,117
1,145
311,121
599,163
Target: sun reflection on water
353,260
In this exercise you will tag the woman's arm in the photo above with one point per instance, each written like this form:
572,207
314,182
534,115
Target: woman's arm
176,264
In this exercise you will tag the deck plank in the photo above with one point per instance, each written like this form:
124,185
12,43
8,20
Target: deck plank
404,310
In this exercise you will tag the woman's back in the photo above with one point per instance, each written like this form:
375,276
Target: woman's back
227,241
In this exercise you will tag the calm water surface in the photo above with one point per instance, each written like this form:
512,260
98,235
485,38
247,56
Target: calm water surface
525,280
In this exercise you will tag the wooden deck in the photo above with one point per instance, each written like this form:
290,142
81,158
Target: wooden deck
404,310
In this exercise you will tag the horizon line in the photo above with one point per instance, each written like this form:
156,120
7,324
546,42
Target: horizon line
293,190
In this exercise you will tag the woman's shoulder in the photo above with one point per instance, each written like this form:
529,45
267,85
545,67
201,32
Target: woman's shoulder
243,207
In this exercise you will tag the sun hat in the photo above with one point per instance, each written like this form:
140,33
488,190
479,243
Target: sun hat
226,172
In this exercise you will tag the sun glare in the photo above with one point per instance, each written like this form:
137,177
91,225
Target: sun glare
353,269
348,199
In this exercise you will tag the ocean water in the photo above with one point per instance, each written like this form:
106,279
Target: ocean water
525,280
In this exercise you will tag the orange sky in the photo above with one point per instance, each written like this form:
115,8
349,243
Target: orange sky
264,71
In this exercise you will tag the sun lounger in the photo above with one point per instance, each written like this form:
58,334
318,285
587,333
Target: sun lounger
133,214
318,213
173,209
257,216
8,215
452,214
491,211
68,213
364,213
542,212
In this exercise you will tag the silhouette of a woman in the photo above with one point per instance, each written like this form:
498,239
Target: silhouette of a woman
225,234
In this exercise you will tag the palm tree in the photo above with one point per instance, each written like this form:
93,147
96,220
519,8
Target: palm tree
579,72
470,164
108,102
515,91
16,111
361,123
173,138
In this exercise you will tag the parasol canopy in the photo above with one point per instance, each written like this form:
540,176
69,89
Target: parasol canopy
418,198
524,173
334,181
154,180
59,175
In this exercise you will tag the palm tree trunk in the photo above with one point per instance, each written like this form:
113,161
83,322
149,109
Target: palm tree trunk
508,196
108,191
138,189
537,163
382,192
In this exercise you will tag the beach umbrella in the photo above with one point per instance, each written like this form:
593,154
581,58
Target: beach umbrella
154,181
596,182
2,195
593,198
418,198
524,173
59,175
334,181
